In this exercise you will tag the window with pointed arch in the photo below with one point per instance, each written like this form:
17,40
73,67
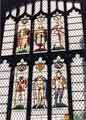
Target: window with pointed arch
8,37
50,24
75,27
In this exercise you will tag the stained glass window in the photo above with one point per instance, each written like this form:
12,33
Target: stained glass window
43,62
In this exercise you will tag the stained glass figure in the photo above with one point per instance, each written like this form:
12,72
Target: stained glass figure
40,34
23,37
58,82
59,88
39,84
20,85
20,90
57,33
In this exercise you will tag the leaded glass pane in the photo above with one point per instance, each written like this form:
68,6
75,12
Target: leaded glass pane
14,12
75,31
61,5
53,5
45,6
4,88
69,5
8,37
77,5
37,6
7,13
78,87
29,9
22,9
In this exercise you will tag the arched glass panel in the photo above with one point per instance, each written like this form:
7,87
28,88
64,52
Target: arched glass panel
19,101
14,12
77,5
39,87
7,13
61,5
8,37
57,34
45,6
4,88
29,9
75,31
69,5
53,5
37,7
21,10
